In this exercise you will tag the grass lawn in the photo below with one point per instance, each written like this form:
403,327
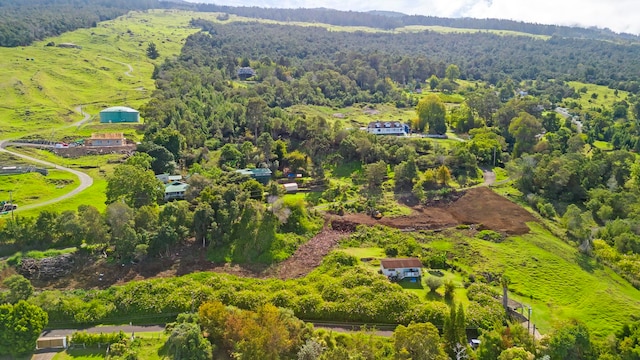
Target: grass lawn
96,166
558,282
603,145
501,174
365,252
34,187
355,116
147,348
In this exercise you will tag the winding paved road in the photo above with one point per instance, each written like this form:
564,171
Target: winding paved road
85,180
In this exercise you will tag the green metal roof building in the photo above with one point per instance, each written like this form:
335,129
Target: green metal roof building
175,190
262,175
119,114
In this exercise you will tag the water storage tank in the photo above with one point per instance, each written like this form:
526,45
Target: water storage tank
119,114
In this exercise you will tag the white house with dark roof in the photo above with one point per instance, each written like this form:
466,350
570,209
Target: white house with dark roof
398,269
388,128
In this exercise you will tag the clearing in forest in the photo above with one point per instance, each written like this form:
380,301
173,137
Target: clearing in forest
479,206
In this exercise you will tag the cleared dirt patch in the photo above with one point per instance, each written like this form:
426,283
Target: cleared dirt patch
477,206
483,206
310,254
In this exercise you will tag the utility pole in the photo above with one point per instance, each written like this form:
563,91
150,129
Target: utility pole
494,157
11,203
529,321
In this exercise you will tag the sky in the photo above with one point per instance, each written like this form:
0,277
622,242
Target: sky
617,15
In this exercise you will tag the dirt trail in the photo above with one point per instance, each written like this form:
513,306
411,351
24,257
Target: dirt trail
310,254
127,73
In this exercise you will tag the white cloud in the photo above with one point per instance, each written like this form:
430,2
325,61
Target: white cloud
617,15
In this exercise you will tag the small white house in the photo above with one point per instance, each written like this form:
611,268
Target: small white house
398,269
388,128
166,178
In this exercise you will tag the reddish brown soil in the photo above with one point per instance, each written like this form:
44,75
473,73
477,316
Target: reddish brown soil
309,255
483,206
479,206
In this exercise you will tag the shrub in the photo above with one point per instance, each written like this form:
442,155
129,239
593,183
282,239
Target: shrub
546,210
82,337
433,283
489,235
391,250
449,289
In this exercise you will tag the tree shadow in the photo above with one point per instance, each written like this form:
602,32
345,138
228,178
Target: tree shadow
434,296
411,283
587,263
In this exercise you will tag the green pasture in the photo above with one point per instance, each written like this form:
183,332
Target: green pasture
603,145
557,281
96,166
406,29
355,116
94,196
450,30
605,97
32,188
41,85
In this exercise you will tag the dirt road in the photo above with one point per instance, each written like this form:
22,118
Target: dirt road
127,73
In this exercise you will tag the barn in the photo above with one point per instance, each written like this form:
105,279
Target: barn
119,114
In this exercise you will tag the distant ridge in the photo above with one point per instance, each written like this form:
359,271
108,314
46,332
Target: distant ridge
392,14
389,20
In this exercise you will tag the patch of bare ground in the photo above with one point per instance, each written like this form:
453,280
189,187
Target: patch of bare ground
310,254
475,206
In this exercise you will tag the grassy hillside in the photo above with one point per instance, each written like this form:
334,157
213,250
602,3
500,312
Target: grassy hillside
41,85
596,95
556,280
546,273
